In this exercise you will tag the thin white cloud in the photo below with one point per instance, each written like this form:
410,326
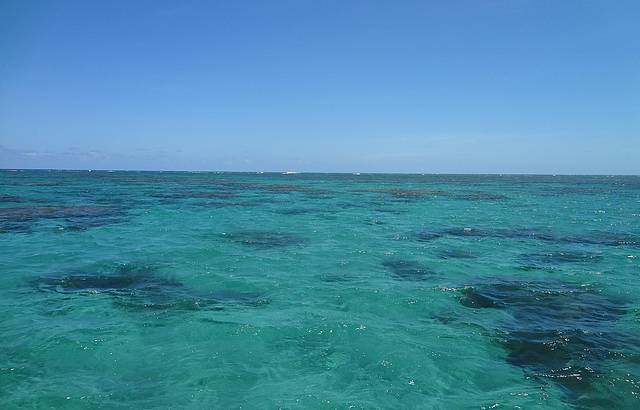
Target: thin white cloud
38,154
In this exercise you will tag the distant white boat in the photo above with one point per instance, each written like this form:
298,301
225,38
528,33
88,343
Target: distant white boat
289,172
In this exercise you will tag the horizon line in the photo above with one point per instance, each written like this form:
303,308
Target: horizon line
289,172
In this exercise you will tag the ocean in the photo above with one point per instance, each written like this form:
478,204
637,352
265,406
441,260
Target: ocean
160,290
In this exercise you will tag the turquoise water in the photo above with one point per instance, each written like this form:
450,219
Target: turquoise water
256,291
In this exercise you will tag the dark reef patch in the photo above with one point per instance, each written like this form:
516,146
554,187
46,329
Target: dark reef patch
558,257
14,226
239,185
558,331
469,232
414,194
139,288
264,239
350,205
243,186
11,198
568,190
81,224
77,217
226,204
389,210
47,184
335,278
506,233
296,211
87,282
455,253
477,196
192,195
408,270
375,222
126,276
425,236
408,194
185,299
30,212
603,238
587,238
290,188
404,194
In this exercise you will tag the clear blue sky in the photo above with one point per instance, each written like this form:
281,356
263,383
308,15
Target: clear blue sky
373,86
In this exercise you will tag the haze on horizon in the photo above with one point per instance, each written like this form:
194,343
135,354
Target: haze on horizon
490,86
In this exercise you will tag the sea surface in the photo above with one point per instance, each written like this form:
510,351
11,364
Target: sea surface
159,290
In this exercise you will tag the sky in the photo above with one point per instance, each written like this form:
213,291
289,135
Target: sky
482,86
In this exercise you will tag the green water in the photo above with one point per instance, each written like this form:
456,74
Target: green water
133,290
